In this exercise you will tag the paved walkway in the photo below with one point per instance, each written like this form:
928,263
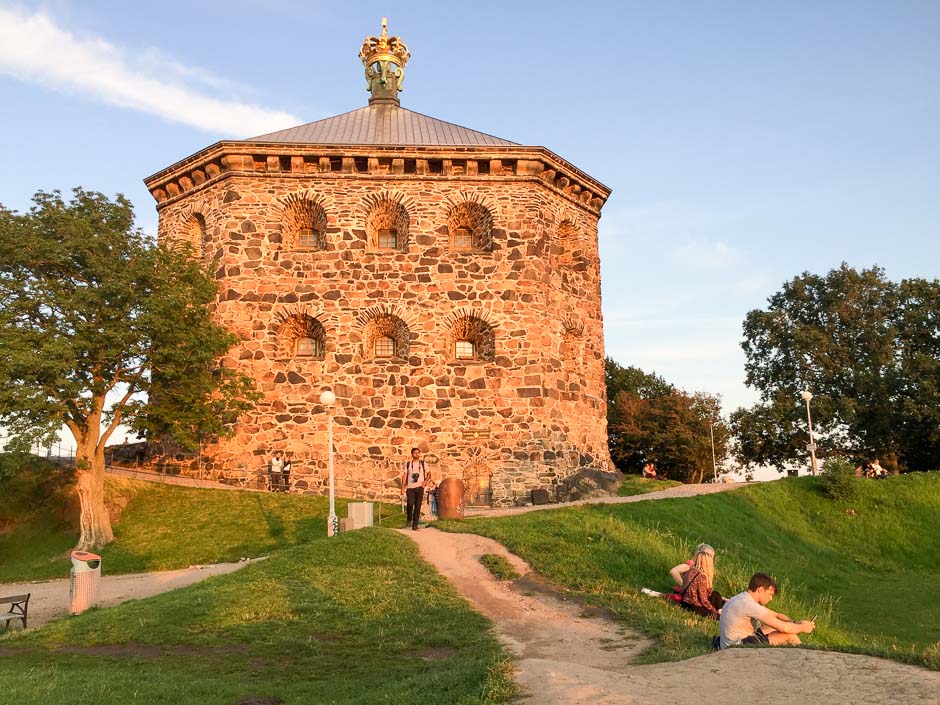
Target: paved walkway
49,599
679,491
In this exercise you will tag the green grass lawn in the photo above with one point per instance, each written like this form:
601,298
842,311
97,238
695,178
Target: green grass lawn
866,568
358,619
162,527
634,485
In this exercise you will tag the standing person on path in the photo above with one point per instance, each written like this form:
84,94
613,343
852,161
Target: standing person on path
413,479
740,615
275,468
285,475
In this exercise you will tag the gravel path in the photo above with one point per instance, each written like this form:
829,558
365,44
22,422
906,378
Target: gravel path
678,491
49,599
569,655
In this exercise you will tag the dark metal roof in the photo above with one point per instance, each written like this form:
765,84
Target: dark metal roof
385,124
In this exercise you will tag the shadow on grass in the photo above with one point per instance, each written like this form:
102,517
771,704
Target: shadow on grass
333,620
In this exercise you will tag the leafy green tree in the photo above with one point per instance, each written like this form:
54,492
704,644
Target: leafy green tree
649,420
100,327
869,351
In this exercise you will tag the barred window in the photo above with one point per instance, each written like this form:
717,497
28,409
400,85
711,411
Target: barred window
308,238
388,238
463,350
384,347
463,239
308,347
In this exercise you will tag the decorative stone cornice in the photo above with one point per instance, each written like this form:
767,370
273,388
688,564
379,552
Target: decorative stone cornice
466,164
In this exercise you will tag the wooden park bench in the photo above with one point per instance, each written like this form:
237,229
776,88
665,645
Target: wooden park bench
19,605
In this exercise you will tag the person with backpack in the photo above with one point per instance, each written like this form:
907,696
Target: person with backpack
414,477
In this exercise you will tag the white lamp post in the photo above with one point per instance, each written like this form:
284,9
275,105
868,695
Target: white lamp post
811,446
327,398
711,430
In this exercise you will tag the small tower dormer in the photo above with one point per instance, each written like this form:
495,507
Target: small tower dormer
384,59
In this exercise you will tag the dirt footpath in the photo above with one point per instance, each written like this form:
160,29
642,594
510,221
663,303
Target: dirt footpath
50,599
677,491
568,655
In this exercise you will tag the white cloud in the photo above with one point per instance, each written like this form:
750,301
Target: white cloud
707,254
34,49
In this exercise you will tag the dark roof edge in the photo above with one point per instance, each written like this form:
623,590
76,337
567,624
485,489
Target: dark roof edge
224,145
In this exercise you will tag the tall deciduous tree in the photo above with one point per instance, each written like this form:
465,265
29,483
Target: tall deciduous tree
869,351
649,420
95,318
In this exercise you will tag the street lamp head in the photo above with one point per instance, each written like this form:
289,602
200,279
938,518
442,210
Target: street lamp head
806,395
327,398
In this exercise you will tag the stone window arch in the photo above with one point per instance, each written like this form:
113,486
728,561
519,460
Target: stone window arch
303,225
470,227
387,226
386,337
572,341
302,337
567,233
470,338
195,233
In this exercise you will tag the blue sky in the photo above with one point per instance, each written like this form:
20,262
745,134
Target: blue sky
744,142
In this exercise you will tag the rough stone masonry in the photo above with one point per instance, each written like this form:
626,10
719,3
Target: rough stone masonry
444,283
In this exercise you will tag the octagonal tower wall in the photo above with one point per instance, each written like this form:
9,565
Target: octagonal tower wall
528,414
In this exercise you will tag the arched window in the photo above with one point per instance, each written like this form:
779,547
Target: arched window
301,336
384,346
385,336
195,234
470,225
470,337
387,223
303,225
464,350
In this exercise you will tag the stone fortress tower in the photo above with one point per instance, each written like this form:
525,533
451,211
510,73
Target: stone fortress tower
444,283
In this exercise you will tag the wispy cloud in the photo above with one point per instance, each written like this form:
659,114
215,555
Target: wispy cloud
707,254
34,49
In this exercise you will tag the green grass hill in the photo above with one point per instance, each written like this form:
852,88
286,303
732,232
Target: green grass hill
865,566
354,619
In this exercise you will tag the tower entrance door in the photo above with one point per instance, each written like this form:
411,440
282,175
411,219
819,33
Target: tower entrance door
476,482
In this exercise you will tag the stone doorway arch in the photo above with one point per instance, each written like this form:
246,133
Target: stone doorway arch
477,491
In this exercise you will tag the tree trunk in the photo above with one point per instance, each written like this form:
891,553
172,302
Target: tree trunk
95,521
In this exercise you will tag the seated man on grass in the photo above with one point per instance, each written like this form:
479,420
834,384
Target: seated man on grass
739,617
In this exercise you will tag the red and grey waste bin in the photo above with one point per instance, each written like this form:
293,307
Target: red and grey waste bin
83,588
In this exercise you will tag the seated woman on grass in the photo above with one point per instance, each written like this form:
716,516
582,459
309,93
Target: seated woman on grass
698,592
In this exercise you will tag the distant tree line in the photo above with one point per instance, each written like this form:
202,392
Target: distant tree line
650,420
865,347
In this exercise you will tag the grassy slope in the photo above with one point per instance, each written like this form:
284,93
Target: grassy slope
162,527
634,485
355,619
864,574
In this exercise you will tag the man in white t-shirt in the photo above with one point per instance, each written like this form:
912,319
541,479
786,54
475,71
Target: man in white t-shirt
275,469
413,479
742,613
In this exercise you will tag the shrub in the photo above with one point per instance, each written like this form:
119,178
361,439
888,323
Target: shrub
838,479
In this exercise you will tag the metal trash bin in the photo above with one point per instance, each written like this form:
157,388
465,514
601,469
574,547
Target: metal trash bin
450,499
83,587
